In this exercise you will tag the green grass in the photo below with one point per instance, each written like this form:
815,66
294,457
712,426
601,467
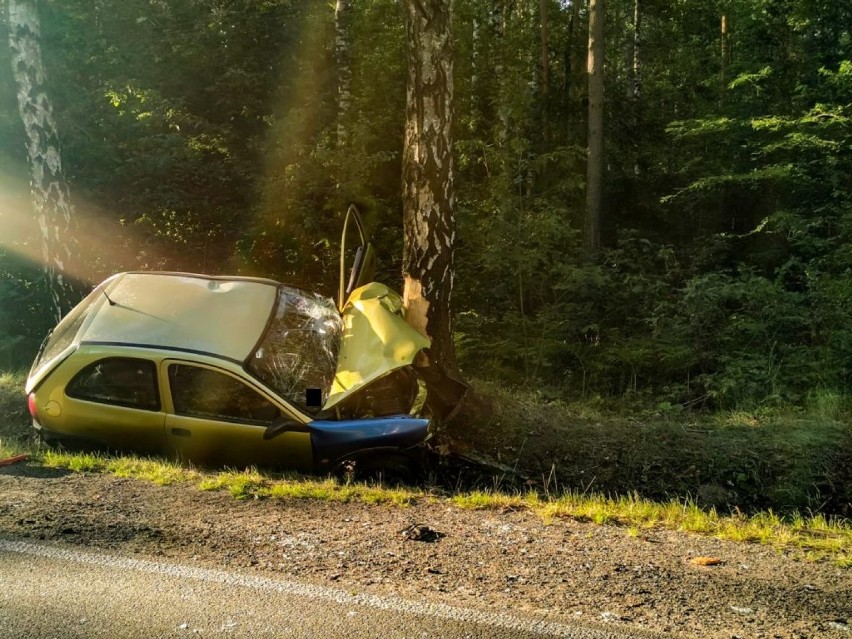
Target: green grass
789,457
248,483
10,447
815,538
150,469
14,417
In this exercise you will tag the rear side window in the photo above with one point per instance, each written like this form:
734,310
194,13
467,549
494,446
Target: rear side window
201,392
65,332
122,381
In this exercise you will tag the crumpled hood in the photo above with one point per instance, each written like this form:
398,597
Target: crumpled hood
376,340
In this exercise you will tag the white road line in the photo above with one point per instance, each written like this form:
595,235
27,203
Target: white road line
389,603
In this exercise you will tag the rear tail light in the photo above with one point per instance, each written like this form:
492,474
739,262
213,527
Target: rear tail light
31,404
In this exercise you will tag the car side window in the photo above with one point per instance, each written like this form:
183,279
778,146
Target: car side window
122,381
202,392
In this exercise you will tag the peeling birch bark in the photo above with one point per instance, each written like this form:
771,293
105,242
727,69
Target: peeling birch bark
428,199
50,192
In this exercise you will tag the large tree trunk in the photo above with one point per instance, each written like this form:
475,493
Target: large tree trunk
342,56
594,169
50,192
428,217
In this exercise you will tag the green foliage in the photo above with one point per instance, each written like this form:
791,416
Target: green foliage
23,319
14,418
202,135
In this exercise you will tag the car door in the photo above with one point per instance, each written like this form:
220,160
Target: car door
363,267
116,401
215,417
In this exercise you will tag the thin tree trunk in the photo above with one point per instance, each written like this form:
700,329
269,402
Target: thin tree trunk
545,48
500,13
50,192
636,84
632,59
637,41
594,168
723,72
343,59
429,224
545,68
571,62
474,56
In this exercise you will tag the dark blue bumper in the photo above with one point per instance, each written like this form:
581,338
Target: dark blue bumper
335,441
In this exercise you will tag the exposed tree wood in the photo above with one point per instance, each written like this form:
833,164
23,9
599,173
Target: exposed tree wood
594,167
50,191
429,224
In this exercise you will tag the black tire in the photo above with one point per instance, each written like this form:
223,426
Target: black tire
390,468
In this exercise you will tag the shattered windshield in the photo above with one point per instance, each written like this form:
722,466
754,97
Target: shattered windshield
298,356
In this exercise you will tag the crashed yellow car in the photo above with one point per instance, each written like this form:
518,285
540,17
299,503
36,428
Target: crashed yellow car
234,369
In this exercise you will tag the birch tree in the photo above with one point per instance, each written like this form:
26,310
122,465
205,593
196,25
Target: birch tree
50,192
429,224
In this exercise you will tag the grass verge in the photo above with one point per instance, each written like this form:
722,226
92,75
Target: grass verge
814,538
792,458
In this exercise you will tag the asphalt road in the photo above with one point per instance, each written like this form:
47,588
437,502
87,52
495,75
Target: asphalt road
64,592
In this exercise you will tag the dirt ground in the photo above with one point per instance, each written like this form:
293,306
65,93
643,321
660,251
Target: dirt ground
560,571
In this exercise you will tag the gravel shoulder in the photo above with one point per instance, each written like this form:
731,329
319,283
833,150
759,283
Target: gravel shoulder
512,561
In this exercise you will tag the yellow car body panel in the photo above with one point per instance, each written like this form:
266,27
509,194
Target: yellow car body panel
127,428
183,311
116,426
189,312
376,341
203,439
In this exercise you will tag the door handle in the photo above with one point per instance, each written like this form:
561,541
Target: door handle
181,432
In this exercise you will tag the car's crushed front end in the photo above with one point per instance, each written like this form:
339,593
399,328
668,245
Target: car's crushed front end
340,364
364,445
352,372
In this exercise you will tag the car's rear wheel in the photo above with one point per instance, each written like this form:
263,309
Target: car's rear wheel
392,468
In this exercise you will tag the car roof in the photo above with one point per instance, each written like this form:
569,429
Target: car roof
221,316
